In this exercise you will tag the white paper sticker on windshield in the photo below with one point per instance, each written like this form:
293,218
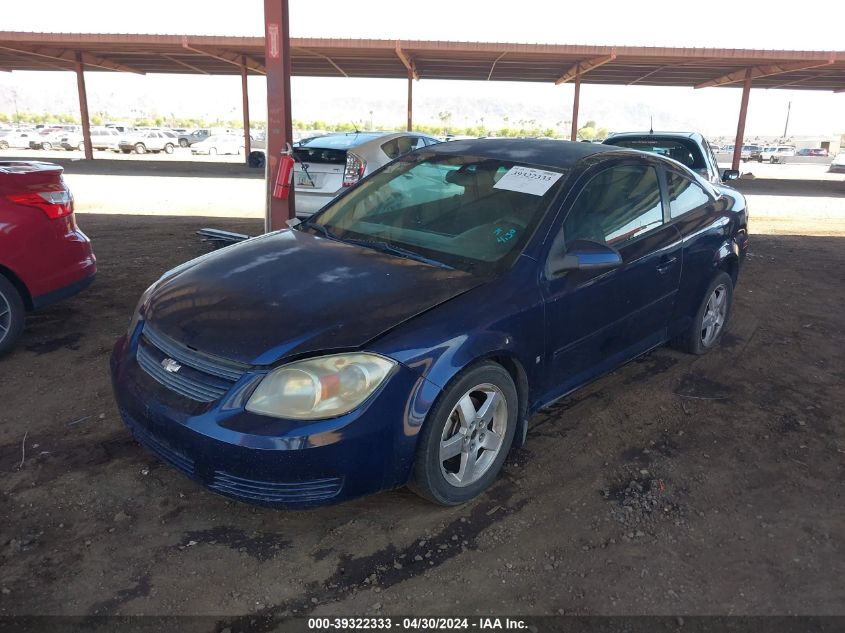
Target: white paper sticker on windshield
528,180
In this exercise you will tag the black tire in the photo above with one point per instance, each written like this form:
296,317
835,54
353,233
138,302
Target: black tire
256,159
183,142
140,148
693,341
126,151
46,146
12,315
4,145
168,149
428,479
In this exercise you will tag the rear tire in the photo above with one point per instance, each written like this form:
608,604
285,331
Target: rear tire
256,159
212,151
168,149
472,425
183,142
711,320
140,148
46,146
12,315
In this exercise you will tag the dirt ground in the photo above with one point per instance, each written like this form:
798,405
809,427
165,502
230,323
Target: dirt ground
677,484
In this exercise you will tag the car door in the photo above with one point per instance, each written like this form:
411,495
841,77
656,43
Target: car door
596,320
702,224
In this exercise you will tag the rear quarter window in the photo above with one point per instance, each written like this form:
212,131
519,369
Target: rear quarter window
684,195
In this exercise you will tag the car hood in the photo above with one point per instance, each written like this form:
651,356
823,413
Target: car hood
292,293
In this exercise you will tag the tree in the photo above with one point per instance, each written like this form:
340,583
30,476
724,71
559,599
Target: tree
587,133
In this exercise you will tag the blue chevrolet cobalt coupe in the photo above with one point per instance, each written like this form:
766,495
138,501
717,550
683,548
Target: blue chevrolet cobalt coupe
405,334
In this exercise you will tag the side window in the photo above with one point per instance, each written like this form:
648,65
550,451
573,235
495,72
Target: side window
394,148
684,195
617,205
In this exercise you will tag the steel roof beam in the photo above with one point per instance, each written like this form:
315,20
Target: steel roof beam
70,56
585,66
407,62
326,57
223,55
493,67
764,71
175,60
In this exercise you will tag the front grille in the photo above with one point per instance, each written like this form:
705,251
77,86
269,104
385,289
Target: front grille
272,492
164,452
202,377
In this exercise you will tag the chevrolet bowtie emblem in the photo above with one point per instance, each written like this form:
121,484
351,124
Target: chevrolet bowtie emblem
171,366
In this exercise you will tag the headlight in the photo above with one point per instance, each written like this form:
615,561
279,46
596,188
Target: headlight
319,388
136,315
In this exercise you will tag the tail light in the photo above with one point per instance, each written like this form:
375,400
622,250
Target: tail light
56,204
355,166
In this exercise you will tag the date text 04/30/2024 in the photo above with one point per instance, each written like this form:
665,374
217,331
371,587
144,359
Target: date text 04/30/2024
416,623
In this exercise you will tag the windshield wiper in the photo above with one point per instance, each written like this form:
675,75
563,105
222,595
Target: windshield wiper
320,229
387,247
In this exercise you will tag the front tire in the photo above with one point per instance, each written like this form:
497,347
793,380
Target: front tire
710,321
46,146
168,149
466,436
183,142
212,151
12,315
140,148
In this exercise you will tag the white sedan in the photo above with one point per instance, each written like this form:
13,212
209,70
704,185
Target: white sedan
219,144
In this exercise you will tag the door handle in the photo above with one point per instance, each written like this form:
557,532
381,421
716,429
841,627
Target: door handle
666,264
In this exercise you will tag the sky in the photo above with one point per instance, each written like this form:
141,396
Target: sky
812,25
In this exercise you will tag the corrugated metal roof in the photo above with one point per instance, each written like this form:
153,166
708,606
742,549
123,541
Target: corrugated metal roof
495,61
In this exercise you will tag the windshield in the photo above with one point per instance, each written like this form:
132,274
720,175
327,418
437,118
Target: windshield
465,212
342,141
682,150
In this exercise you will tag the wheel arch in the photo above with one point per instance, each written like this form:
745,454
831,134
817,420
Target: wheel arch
19,285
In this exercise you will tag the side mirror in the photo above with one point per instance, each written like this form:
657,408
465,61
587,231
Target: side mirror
584,255
730,174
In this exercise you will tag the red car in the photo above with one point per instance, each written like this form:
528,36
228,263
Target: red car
44,257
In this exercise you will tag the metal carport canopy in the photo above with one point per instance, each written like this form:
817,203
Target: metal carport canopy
318,57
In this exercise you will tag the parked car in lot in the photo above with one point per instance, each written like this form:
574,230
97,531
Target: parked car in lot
219,144
44,257
327,165
16,139
747,150
144,141
49,138
838,162
812,151
406,333
690,149
186,140
72,141
105,138
773,153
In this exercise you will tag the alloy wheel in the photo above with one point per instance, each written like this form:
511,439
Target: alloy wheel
473,435
714,315
5,317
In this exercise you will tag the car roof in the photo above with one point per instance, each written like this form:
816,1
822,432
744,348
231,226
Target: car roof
562,154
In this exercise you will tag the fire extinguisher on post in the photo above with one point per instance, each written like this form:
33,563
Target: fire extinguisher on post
284,175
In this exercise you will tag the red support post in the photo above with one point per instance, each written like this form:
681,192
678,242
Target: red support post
279,127
83,107
410,100
740,127
245,92
574,133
